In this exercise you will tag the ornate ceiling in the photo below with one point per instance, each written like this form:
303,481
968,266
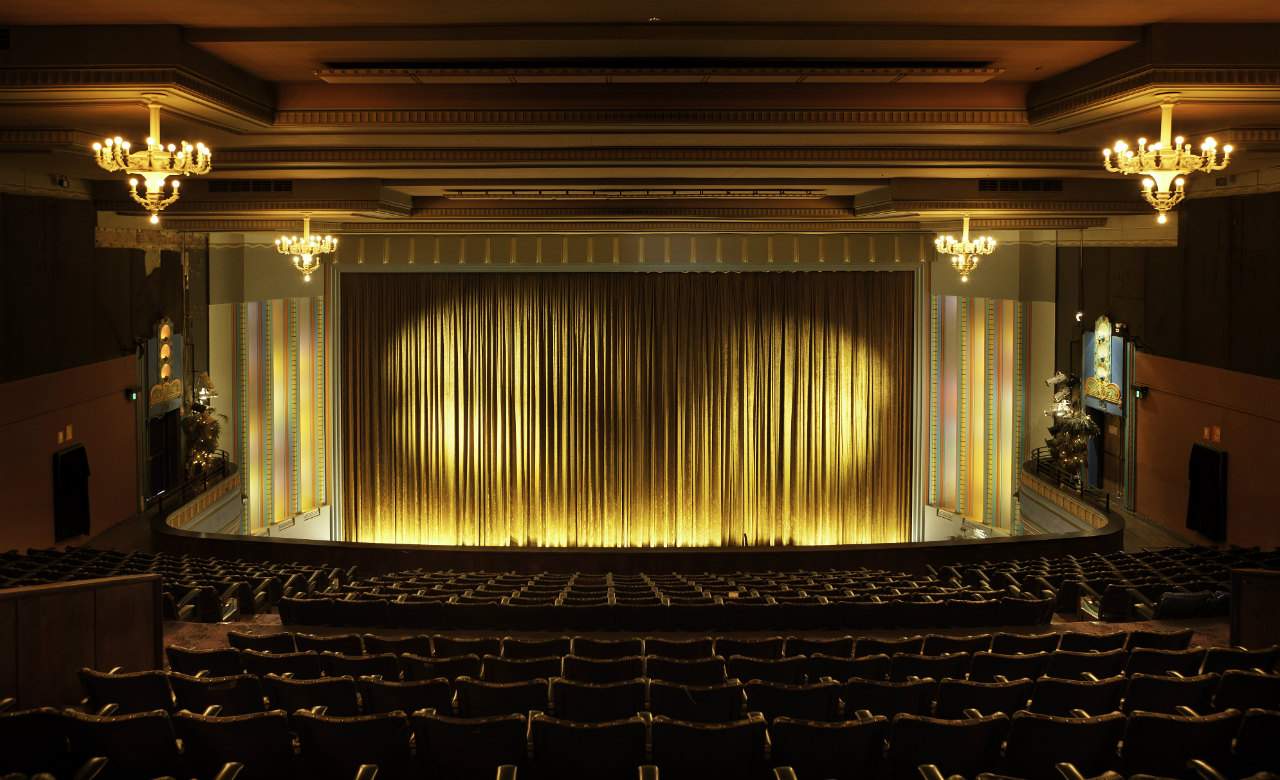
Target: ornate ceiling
711,116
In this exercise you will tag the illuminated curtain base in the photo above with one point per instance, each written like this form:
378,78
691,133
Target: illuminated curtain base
626,410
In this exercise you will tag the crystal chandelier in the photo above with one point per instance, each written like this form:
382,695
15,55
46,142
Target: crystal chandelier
1164,164
965,252
155,165
306,249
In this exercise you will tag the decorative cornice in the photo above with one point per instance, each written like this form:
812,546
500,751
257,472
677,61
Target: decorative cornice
376,208
1112,90
109,78
1038,223
148,238
706,119
635,193
483,228
593,211
895,206
37,138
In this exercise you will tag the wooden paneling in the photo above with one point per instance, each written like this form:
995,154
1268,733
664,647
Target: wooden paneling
49,632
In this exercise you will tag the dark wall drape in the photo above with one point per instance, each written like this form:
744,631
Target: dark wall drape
626,409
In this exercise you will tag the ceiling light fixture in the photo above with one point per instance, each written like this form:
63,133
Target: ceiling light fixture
965,252
306,249
1165,164
155,164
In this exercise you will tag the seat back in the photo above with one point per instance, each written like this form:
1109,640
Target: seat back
218,662
384,665
479,699
597,703
1057,696
141,744
606,649
868,667
1077,641
816,701
454,646
346,644
872,646
1161,693
1243,690
303,666
767,648
1222,659
261,741
278,642
236,694
416,667
131,691
696,751
957,695
32,741
906,665
333,748
1161,640
418,645
1147,660
1073,664
687,649
694,671
379,696
1012,644
956,747
787,671
940,644
469,748
844,750
839,647
721,703
337,695
506,670
592,670
1255,745
1160,744
608,751
534,648
986,666
889,698
1037,743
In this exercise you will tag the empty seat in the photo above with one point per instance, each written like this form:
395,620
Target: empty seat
1162,693
1080,642
218,662
1221,659
1255,746
693,671
1073,664
236,694
988,666
767,648
1062,697
956,747
789,671
337,695
607,751
32,741
377,696
479,699
816,701
703,647
1010,644
1037,743
696,751
597,703
261,741
334,748
416,667
1164,662
720,703
889,698
839,647
384,665
1243,690
605,649
129,691
468,748
346,644
1161,744
872,646
138,745
496,669
303,666
868,667
939,644
843,750
418,645
534,648
453,646
1161,640
954,696
280,642
907,665
591,670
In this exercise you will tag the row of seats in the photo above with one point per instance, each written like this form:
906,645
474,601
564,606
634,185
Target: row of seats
720,700
277,744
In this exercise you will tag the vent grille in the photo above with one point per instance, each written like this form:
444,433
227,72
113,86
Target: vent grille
250,185
1020,185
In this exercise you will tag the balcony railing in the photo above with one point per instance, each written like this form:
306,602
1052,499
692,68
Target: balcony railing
1068,480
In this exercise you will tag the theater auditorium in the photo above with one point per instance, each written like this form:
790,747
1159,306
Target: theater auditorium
640,390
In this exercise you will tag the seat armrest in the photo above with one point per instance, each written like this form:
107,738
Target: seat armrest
930,772
367,772
1186,711
319,709
1076,712
1068,771
506,772
91,768
648,772
1204,770
108,709
972,713
230,771
784,773
212,711
7,704
864,716
1090,676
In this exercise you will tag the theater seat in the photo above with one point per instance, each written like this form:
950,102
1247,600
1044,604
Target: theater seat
237,694
128,691
280,642
345,644
469,748
1255,747
1161,640
337,695
1061,697
534,648
1221,659
1164,661
302,666
768,648
908,665
379,696
954,696
605,751
839,647
452,646
415,667
217,662
376,645
260,741
680,648
384,665
787,671
721,703
963,747
33,740
477,699
1070,664
988,666
591,670
815,701
1243,690
871,646
1163,693
697,751
693,671
1160,744
334,748
139,745
507,670
844,750
1037,743
889,698
605,649
590,703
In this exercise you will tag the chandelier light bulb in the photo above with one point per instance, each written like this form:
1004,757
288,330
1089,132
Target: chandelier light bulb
156,164
1165,164
305,251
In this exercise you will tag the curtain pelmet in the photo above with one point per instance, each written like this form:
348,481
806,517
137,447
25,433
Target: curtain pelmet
633,410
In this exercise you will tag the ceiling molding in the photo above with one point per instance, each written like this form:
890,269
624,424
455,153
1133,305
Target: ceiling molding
635,193
248,225
595,210
701,119
374,208
1037,223
891,205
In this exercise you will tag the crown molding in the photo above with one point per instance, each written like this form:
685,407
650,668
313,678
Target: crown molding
375,208
594,210
250,225
526,119
896,206
1038,223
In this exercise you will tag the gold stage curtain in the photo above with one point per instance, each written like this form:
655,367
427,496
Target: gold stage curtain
626,409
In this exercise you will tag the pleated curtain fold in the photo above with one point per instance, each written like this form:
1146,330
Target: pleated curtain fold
626,409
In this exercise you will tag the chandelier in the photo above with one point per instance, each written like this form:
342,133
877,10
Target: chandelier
306,249
1165,164
155,165
965,252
